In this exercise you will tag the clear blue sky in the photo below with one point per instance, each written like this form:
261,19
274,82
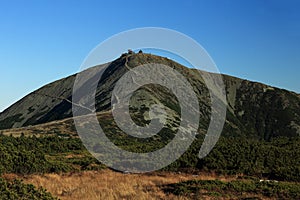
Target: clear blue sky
41,41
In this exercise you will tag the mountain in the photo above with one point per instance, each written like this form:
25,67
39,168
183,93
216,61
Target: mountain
254,109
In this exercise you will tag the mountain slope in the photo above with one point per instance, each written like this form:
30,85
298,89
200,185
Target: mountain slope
254,109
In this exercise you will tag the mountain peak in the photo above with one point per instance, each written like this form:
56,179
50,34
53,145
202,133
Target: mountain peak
253,108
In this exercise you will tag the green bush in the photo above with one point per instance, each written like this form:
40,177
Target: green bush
16,190
27,155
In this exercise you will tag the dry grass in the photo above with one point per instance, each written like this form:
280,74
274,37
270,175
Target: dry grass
107,184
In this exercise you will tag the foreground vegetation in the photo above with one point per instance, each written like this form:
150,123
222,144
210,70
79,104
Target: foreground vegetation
29,155
235,189
277,159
